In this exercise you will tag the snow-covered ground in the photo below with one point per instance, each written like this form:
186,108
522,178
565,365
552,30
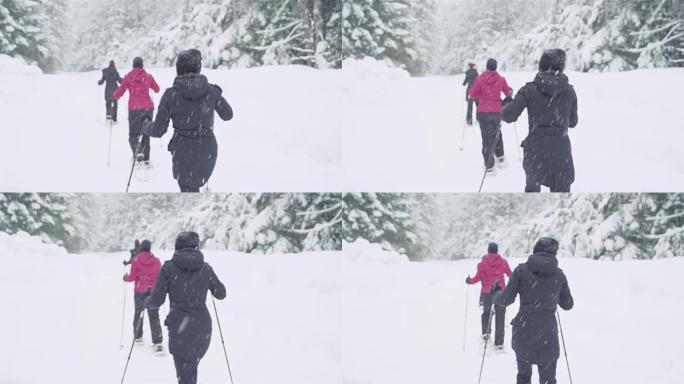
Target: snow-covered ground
403,322
403,134
61,319
284,136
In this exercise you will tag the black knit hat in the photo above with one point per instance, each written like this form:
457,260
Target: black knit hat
493,248
138,62
145,246
552,59
492,64
189,61
547,245
187,240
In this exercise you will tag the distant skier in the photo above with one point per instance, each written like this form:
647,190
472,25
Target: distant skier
134,252
542,286
551,105
111,77
488,88
144,270
186,278
470,76
190,103
491,271
138,83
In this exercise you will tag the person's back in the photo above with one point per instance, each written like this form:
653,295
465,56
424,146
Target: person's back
111,79
470,76
144,269
491,271
138,83
488,88
542,287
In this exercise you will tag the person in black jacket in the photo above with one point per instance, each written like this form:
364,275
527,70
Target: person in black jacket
190,103
551,105
542,287
470,76
186,278
111,77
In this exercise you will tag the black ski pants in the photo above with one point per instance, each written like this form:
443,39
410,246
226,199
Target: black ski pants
112,107
492,142
139,142
152,315
547,372
556,186
186,371
489,300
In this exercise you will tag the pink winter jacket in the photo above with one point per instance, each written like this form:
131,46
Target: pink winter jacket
144,270
490,271
138,83
488,87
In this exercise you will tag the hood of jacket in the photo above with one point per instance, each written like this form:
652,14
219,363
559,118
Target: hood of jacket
490,77
551,84
543,263
146,258
493,260
188,259
192,85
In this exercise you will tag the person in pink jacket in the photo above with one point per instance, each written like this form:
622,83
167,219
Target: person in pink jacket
490,272
140,106
144,270
487,89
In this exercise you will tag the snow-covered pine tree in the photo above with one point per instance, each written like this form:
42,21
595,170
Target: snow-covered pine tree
47,215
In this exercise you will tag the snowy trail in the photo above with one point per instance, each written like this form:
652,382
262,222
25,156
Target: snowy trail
403,134
281,138
405,324
62,319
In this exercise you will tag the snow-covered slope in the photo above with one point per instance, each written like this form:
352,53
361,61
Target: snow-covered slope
403,134
61,320
284,136
404,322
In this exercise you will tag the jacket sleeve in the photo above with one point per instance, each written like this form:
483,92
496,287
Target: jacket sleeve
565,299
133,276
507,269
508,295
475,90
216,286
160,125
118,78
573,110
506,90
514,109
154,85
478,275
224,109
161,288
102,80
121,90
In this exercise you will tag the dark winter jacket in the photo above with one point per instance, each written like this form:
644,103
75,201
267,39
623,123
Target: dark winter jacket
111,77
470,76
488,88
191,103
551,105
138,83
186,278
542,286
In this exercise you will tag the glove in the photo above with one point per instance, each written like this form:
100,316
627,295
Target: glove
125,277
507,100
125,262
468,280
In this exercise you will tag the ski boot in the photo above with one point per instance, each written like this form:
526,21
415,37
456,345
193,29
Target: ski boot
158,348
501,162
499,348
490,171
139,341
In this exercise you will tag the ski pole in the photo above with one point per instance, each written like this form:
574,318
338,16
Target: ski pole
484,175
109,148
123,315
138,148
465,321
517,140
225,353
565,351
130,351
489,328
463,135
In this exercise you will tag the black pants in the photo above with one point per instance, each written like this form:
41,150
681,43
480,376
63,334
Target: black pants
140,143
186,371
547,372
112,107
488,299
469,114
152,315
492,142
556,186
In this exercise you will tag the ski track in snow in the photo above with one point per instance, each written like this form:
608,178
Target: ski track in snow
282,137
62,319
403,134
